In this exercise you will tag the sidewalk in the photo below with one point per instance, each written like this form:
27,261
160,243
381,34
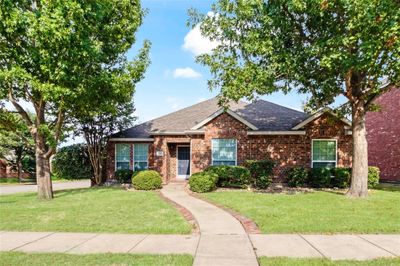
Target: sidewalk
336,247
222,240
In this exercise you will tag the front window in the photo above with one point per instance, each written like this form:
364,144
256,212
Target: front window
140,154
324,153
224,152
122,152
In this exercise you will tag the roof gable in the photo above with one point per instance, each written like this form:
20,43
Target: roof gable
218,113
317,115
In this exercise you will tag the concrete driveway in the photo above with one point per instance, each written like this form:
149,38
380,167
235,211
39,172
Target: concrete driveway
11,189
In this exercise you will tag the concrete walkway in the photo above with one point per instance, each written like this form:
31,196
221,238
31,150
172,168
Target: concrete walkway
223,240
11,189
335,247
86,243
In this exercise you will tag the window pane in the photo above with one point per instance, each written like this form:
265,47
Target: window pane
324,165
122,165
224,150
224,163
123,152
140,166
140,152
324,150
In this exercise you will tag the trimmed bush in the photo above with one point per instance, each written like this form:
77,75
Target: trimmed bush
203,182
230,176
147,180
260,172
373,176
341,177
320,177
124,175
297,177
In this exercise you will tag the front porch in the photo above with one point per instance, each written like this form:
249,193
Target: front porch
178,160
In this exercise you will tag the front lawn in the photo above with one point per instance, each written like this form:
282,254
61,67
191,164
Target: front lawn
92,210
9,180
18,258
318,212
264,261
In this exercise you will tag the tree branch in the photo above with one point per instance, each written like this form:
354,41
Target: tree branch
19,108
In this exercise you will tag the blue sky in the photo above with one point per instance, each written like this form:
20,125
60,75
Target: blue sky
174,80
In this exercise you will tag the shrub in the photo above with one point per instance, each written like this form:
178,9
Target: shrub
230,176
147,180
373,176
203,182
297,177
72,162
320,177
260,172
341,177
124,175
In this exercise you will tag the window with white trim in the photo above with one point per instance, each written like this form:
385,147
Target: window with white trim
323,153
140,156
223,152
122,156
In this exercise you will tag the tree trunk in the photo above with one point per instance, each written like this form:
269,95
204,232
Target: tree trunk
43,178
359,175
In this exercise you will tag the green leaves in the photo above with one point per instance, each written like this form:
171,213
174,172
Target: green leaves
69,57
309,46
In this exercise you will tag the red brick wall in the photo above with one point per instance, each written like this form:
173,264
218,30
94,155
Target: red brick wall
287,151
383,135
223,126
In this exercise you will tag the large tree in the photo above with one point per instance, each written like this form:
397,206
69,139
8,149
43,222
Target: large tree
321,47
50,51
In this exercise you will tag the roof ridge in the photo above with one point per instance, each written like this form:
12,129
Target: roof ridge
174,112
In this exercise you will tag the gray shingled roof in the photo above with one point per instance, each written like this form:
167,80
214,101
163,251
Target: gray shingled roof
266,116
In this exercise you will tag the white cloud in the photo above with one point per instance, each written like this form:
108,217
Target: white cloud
196,43
186,72
201,99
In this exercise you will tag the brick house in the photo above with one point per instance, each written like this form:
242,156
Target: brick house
189,140
383,135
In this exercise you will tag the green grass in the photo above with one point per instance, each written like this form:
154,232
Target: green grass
8,180
318,212
92,210
18,258
264,261
31,180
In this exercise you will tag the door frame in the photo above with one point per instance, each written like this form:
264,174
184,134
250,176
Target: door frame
183,177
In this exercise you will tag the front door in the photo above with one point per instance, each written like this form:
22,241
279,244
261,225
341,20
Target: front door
183,162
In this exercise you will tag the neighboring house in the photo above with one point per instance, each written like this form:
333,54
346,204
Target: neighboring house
383,135
6,171
189,140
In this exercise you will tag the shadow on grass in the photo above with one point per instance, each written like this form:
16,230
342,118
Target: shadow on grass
71,192
392,187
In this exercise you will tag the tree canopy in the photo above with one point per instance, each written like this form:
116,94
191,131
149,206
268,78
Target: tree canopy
58,55
320,47
308,46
